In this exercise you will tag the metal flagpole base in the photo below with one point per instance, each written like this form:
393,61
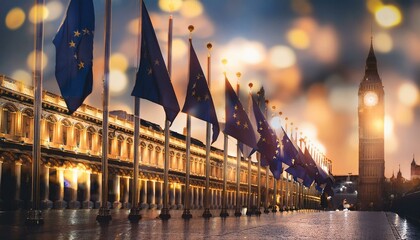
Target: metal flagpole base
238,212
207,213
34,217
164,214
186,214
134,215
224,213
274,209
104,215
266,210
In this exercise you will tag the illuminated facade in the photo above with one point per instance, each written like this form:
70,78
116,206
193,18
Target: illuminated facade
71,160
371,137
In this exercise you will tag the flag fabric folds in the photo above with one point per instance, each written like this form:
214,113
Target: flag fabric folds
237,121
74,53
152,81
289,150
198,102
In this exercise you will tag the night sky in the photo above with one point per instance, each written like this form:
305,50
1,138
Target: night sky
308,55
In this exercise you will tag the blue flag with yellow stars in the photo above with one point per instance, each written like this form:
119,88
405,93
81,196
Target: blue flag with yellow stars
74,53
289,149
198,102
237,122
152,79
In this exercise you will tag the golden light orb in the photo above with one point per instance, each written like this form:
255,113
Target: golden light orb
224,61
383,42
118,82
180,48
55,10
15,18
298,38
40,10
191,8
118,62
22,76
408,94
30,60
282,56
170,5
238,74
388,16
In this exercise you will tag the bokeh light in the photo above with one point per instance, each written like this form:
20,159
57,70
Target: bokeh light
389,126
253,52
301,6
404,115
275,122
298,38
388,16
55,10
118,62
41,10
30,60
15,18
22,76
191,8
373,5
282,56
408,94
179,48
383,42
309,130
170,5
118,82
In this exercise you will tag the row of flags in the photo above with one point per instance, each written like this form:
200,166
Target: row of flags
74,50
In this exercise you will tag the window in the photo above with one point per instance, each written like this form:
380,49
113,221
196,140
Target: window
65,124
89,138
26,125
77,134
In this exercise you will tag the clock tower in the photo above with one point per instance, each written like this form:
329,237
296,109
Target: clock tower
371,137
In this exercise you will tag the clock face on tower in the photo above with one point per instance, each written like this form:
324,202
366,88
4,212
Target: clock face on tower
370,99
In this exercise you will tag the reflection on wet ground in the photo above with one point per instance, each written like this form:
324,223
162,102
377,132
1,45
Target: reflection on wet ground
81,224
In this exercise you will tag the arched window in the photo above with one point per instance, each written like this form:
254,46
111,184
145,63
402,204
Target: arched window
65,125
111,138
129,148
89,138
120,150
78,128
8,117
27,116
50,124
100,141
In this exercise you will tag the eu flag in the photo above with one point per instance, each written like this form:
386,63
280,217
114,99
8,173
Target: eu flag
237,121
198,101
152,80
289,149
74,53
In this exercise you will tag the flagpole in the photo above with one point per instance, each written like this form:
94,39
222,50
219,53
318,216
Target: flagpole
238,207
104,215
267,169
164,214
207,213
134,215
249,211
186,214
287,176
281,176
297,183
274,210
223,212
258,210
34,216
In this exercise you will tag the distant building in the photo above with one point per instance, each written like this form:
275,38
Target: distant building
415,170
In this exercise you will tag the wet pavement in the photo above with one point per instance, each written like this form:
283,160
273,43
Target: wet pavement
81,224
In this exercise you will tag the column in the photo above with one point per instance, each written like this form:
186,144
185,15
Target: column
86,201
179,197
126,191
45,181
201,197
60,203
1,163
74,204
197,197
143,195
18,173
152,204
98,199
160,196
172,196
116,190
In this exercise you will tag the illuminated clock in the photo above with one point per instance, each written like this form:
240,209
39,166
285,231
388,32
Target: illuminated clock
370,99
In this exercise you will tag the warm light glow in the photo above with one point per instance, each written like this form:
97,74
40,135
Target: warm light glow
118,62
408,94
253,52
15,18
30,60
191,8
118,82
404,115
370,99
383,42
309,130
275,122
22,76
170,5
374,5
55,10
298,38
389,126
179,48
388,16
42,10
378,124
282,56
